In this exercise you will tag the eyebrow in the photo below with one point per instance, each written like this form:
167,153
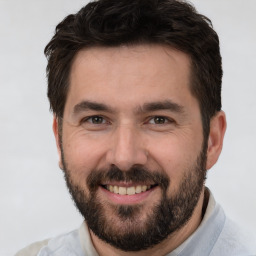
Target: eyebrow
146,107
90,105
162,105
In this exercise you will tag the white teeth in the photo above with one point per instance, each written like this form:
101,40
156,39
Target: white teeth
131,191
138,189
116,189
127,191
122,191
144,188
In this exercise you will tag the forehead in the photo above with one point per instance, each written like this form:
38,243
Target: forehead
151,59
128,75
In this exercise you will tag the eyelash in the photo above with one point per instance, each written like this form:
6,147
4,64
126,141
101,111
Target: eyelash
105,121
84,120
166,120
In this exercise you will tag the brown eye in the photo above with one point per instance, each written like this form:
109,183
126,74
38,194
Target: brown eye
95,120
158,120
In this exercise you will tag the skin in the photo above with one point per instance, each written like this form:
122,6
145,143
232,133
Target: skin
124,79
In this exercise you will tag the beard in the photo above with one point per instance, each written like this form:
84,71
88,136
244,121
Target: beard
123,228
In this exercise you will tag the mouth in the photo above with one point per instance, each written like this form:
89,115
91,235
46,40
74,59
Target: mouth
128,190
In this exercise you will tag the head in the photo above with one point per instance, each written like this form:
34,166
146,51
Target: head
155,125
111,23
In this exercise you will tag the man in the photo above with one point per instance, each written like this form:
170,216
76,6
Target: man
135,88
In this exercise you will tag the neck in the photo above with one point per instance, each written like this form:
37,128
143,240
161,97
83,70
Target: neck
168,245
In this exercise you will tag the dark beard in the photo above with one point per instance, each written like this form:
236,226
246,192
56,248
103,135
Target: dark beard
166,217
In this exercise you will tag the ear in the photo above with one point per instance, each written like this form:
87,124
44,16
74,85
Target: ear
55,127
218,126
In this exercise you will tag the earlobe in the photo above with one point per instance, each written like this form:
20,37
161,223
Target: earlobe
55,127
215,141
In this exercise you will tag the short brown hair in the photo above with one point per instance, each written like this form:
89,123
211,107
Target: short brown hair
126,22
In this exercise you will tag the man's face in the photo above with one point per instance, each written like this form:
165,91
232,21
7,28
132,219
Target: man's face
132,143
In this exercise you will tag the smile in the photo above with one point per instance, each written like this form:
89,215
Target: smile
128,190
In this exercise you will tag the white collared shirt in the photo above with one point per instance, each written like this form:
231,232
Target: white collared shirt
215,236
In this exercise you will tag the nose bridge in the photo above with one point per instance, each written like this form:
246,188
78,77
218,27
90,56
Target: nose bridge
127,147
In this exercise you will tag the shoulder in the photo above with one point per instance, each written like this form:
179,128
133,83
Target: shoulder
235,241
65,244
33,249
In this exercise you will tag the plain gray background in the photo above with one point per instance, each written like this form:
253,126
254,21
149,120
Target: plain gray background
34,201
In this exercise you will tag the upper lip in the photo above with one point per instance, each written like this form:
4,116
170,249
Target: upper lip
127,184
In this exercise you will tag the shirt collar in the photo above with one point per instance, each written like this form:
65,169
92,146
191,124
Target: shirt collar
200,242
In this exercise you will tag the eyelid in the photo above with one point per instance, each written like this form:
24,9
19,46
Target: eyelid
168,119
85,119
106,121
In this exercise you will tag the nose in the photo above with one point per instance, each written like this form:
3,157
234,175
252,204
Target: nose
126,148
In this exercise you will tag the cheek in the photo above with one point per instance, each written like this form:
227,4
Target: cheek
171,156
83,153
175,155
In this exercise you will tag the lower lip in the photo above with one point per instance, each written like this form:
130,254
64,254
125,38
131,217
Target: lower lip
127,199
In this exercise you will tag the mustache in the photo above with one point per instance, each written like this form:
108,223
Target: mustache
136,174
